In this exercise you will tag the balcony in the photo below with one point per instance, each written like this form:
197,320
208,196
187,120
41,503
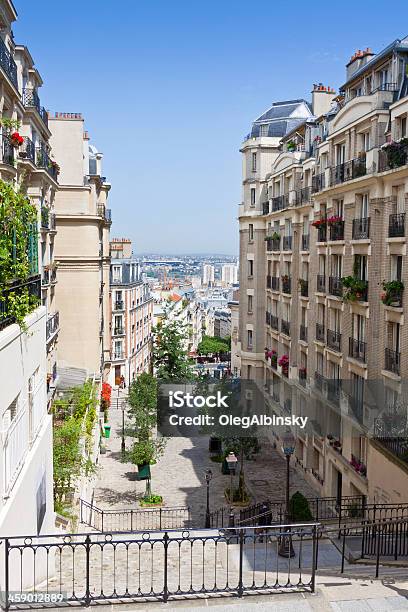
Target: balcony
393,361
27,150
337,230
305,242
119,331
303,196
320,335
321,283
285,327
33,286
8,64
396,225
274,322
322,233
392,295
275,283
318,182
348,171
104,212
357,349
118,354
304,287
392,156
273,244
280,202
286,284
265,208
30,99
303,333
287,243
335,286
119,305
361,228
334,340
43,161
52,326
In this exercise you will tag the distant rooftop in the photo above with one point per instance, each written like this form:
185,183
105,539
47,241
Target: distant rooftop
281,118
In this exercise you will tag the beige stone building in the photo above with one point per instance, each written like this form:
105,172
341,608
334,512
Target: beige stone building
131,315
81,248
322,273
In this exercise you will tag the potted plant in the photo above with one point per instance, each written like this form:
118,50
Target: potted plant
290,146
16,140
319,222
392,292
333,219
283,362
355,288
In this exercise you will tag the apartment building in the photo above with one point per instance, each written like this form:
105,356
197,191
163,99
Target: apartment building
229,275
81,247
27,351
208,274
131,317
322,232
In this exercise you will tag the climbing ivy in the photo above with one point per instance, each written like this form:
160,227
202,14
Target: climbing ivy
18,240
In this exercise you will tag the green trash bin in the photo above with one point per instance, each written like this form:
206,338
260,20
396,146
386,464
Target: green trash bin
107,431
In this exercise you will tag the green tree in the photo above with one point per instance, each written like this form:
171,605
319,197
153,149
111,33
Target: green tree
214,344
169,355
299,508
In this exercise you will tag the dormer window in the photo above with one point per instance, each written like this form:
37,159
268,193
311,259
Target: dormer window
263,130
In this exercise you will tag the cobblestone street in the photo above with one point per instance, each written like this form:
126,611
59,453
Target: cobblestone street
179,475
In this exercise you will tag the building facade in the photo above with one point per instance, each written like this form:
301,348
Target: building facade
27,352
229,275
81,247
208,274
322,235
131,317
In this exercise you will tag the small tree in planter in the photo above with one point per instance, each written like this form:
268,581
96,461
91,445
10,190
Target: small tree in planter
299,508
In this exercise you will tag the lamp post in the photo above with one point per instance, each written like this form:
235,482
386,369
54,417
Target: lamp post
288,447
231,462
208,477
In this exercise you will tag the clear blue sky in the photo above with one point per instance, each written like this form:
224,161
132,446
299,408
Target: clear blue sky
169,88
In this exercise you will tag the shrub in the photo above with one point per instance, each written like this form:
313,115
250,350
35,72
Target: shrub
299,508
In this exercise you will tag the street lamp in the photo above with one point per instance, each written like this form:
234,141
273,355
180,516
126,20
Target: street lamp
288,448
231,462
208,477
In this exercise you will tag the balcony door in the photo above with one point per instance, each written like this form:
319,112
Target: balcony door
393,336
362,206
337,265
359,328
340,153
360,267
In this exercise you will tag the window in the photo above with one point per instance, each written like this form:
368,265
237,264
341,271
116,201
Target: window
263,130
253,162
396,267
250,303
359,328
117,273
362,206
251,231
253,196
360,267
9,414
403,131
250,267
365,141
249,338
340,153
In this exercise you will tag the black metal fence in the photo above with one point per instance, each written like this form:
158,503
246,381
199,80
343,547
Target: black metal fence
128,519
95,568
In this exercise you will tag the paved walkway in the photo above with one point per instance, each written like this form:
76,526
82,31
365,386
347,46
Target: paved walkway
179,475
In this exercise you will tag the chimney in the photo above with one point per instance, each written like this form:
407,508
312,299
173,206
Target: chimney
360,58
322,97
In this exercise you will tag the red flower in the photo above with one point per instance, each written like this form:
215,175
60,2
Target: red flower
16,139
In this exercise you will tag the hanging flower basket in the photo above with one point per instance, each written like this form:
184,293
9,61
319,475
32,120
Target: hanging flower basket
16,140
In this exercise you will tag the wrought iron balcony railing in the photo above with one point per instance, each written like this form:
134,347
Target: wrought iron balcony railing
393,361
334,340
348,171
280,202
337,230
322,233
320,332
8,64
273,244
27,150
118,331
321,283
335,286
303,196
30,99
396,225
43,160
274,322
357,349
119,305
318,182
361,228
285,327
394,156
32,285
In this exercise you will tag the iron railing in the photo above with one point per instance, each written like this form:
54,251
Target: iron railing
322,233
320,336
396,445
393,361
275,283
321,283
318,182
357,349
31,99
118,331
27,150
8,64
335,286
303,196
361,228
32,287
94,568
334,340
285,327
287,243
392,157
273,244
43,160
280,202
119,305
337,230
396,225
130,519
274,322
348,171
